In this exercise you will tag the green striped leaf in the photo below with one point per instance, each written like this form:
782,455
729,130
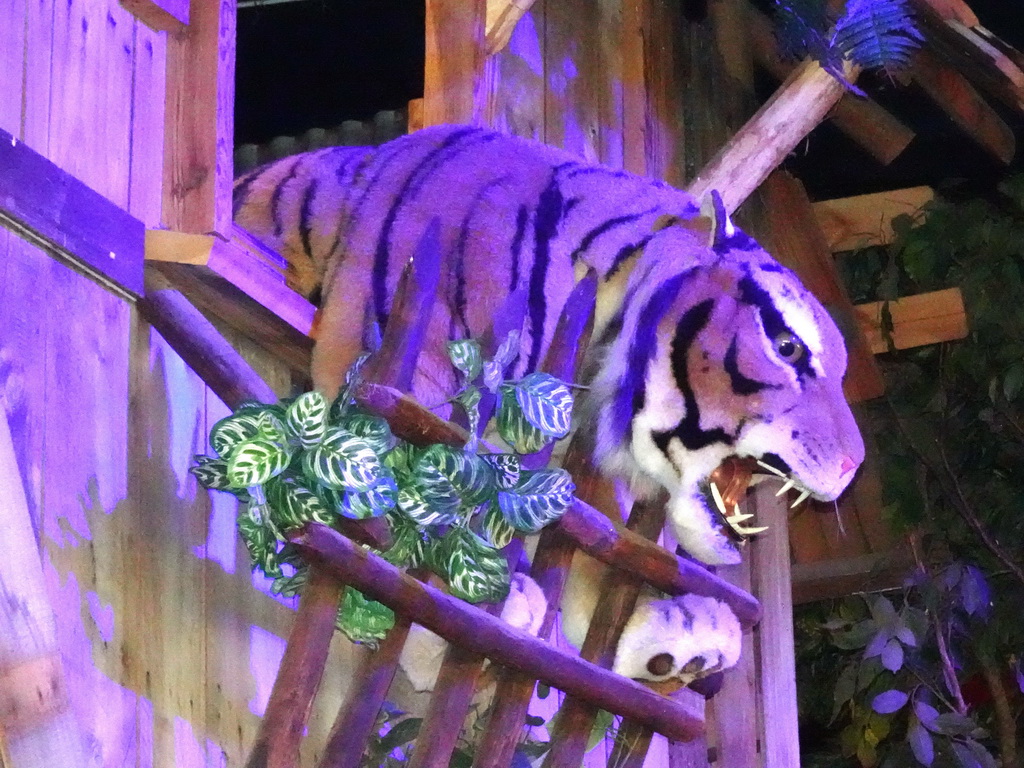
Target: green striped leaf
508,350
342,461
373,429
435,512
465,355
399,459
233,430
293,503
540,498
443,472
469,399
363,620
256,461
290,586
513,426
496,528
546,402
359,505
211,473
507,469
474,570
409,543
260,542
306,418
271,424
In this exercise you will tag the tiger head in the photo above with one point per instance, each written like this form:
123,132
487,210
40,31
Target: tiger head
730,360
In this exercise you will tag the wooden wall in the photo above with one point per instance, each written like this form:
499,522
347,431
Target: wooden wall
169,644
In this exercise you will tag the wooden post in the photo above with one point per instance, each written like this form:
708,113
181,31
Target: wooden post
37,728
199,121
453,83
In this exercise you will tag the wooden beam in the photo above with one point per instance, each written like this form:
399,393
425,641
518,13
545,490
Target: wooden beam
927,318
53,210
37,727
240,283
792,112
502,17
453,82
954,9
865,121
796,239
160,15
863,220
199,121
965,106
845,576
415,119
461,623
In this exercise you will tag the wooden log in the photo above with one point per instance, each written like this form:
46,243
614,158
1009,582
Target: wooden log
796,239
619,591
53,210
955,95
769,553
954,9
280,733
37,728
792,112
455,58
199,128
415,119
159,15
864,120
502,17
927,318
460,623
356,719
242,284
862,220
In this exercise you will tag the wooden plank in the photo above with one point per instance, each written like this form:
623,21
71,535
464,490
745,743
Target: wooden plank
863,220
965,106
861,118
56,211
797,240
571,95
770,570
145,193
277,742
453,83
927,318
460,623
514,79
159,15
415,119
12,65
35,122
502,17
198,173
35,729
91,95
792,112
954,9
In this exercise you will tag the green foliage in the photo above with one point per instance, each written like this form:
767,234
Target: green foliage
450,509
874,34
910,686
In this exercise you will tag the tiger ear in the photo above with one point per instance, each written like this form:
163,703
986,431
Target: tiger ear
722,228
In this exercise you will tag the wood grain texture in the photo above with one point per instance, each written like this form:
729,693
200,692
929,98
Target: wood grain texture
862,220
514,79
12,65
457,622
145,194
159,15
198,165
796,240
453,86
53,209
926,318
35,122
502,17
955,95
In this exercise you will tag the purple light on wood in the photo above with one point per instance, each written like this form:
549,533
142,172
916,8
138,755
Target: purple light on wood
265,653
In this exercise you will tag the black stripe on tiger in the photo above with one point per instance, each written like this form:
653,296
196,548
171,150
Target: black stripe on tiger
275,198
689,430
604,227
753,294
410,187
460,253
522,218
305,216
545,226
740,384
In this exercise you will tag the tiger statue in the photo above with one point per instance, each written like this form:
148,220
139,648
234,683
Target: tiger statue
704,349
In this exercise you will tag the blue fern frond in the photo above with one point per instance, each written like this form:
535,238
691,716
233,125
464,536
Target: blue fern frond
871,33
877,34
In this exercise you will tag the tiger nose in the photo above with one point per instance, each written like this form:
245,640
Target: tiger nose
847,466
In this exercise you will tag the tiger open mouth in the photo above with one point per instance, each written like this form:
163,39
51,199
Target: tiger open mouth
728,485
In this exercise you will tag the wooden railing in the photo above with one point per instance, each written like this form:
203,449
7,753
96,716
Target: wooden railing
475,633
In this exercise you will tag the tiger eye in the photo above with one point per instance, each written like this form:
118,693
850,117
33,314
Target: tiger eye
789,347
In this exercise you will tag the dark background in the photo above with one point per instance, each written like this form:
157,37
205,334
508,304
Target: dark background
314,63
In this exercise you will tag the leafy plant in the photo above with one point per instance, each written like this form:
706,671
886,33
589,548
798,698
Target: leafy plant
874,34
450,509
931,676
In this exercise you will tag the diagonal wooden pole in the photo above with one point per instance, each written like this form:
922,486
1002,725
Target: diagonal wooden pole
37,727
